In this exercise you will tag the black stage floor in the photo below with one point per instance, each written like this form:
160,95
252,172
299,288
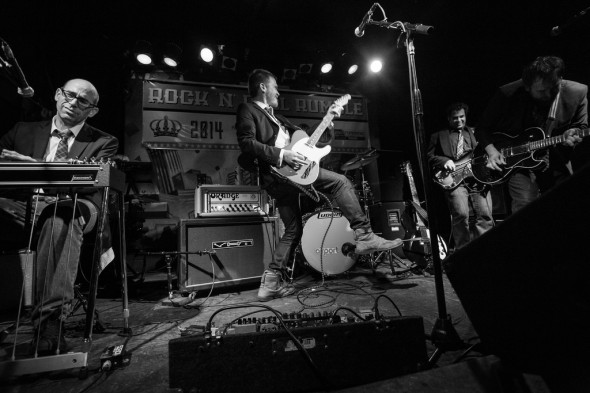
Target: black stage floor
154,323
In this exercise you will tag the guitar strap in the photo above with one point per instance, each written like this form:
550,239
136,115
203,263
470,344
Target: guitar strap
550,122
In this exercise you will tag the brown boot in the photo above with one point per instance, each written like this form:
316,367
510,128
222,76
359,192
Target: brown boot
272,286
367,242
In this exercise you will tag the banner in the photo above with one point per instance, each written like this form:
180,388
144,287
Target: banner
195,122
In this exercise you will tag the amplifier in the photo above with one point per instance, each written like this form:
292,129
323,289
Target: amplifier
243,248
336,356
225,200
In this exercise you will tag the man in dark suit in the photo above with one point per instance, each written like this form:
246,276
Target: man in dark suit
263,137
543,99
445,147
66,136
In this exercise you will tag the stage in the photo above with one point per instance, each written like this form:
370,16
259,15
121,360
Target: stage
154,324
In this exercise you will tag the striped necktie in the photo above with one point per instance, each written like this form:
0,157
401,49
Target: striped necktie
61,154
460,145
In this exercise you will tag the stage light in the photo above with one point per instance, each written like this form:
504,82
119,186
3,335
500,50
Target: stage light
352,69
229,63
289,73
206,54
143,52
376,66
326,67
172,54
305,68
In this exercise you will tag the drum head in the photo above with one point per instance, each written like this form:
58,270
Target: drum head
338,233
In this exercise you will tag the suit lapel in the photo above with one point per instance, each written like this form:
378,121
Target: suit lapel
81,143
446,145
40,148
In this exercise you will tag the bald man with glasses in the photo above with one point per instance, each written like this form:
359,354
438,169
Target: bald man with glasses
65,137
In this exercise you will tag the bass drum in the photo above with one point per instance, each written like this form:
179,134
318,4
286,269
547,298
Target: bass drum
339,232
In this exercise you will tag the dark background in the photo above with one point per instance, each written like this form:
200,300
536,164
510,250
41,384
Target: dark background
475,47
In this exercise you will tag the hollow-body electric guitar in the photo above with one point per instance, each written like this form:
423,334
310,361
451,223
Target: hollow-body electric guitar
522,151
306,146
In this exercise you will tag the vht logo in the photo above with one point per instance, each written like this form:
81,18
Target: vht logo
224,244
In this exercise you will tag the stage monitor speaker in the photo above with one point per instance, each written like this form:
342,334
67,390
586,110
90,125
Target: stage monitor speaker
243,247
337,355
524,284
391,220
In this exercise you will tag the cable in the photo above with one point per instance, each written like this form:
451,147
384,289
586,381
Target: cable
294,339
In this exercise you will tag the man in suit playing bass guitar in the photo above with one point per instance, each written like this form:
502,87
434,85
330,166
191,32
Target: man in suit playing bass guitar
445,148
544,100
263,137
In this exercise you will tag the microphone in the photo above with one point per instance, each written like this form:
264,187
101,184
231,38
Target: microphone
557,30
360,30
23,86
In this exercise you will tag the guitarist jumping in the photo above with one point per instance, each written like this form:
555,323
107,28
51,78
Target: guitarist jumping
284,158
528,131
449,154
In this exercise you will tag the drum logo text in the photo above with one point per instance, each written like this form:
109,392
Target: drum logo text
222,244
331,250
329,214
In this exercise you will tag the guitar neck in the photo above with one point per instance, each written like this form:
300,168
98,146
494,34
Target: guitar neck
415,200
317,134
541,144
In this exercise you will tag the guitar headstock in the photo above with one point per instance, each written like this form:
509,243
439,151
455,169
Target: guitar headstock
406,168
339,104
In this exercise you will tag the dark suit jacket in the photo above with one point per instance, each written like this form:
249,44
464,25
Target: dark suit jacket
257,134
509,112
31,139
440,149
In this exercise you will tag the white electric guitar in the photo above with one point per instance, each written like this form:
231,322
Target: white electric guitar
306,146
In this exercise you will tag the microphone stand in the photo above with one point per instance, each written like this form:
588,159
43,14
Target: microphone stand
443,336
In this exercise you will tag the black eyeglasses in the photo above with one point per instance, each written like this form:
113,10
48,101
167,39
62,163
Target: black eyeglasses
82,103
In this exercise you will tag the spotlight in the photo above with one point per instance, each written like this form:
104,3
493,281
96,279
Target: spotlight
305,68
376,66
289,73
229,63
143,52
326,67
206,54
172,54
352,69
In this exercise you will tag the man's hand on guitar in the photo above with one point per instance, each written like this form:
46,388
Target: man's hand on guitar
449,165
10,155
571,137
336,110
293,159
495,158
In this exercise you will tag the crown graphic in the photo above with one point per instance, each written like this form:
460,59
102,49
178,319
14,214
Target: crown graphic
165,127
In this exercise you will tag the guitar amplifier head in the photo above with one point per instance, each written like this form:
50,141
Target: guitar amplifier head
227,200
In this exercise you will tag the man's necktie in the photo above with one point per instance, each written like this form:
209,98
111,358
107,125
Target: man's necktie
61,154
460,144
269,110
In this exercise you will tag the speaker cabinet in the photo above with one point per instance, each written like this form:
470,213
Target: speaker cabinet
391,220
334,356
242,248
524,284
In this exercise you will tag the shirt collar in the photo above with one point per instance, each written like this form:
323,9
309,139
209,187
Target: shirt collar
75,129
262,105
